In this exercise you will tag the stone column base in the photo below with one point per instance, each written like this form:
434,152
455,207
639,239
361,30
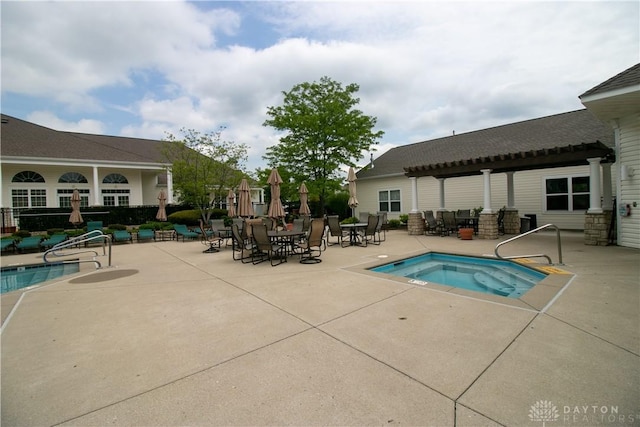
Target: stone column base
511,221
488,226
596,228
415,224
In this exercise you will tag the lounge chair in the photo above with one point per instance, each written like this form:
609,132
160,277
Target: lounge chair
210,239
314,244
122,236
369,234
7,244
336,231
265,248
242,248
182,231
94,225
146,234
32,242
53,240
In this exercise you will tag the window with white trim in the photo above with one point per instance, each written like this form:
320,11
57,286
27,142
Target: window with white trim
64,197
568,194
115,197
29,198
389,201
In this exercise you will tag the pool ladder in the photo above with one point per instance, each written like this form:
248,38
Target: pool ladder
519,236
91,236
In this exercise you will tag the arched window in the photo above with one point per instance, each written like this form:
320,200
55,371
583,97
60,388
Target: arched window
27,176
115,178
73,178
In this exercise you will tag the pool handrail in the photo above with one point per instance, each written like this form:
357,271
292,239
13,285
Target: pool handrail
76,241
519,236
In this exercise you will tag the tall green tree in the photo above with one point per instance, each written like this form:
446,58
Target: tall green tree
204,166
322,131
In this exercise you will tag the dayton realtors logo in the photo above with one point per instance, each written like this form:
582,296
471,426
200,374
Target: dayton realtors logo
545,411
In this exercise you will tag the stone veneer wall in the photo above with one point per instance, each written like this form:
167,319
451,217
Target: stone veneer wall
415,223
596,228
511,221
488,226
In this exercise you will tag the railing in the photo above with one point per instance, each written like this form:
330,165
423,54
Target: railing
519,236
76,242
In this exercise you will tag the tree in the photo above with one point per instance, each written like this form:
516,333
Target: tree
204,166
323,132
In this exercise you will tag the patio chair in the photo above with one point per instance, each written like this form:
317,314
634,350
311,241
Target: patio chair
210,239
7,244
369,233
241,247
265,248
182,231
312,247
462,216
501,221
298,225
449,223
381,230
146,234
27,243
363,217
335,231
247,230
53,240
122,236
219,229
433,226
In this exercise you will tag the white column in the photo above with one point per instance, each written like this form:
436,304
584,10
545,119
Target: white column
511,199
486,173
414,194
96,187
607,193
169,187
595,205
441,187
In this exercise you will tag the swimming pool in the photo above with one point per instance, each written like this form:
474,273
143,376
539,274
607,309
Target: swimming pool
486,275
22,276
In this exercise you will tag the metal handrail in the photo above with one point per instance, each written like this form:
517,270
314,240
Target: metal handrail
519,236
76,241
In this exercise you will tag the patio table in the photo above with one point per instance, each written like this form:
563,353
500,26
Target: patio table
285,236
353,232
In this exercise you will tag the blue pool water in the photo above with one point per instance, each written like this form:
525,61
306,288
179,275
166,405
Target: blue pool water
22,276
486,275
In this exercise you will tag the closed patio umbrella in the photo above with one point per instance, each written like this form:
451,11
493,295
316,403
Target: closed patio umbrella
162,203
245,207
353,200
231,207
275,207
76,217
304,199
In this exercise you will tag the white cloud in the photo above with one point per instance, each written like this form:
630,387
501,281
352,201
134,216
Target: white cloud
50,120
424,68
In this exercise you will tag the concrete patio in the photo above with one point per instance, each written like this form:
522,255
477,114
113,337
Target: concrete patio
173,336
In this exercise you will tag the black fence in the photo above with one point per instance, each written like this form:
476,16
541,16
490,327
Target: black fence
38,219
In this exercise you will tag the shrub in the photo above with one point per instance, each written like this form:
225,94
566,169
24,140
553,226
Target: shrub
393,223
404,218
188,217
117,227
22,233
52,231
350,220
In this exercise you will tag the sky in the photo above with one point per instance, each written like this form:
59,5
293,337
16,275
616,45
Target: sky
425,69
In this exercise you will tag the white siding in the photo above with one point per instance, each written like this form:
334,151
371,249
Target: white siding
467,193
629,155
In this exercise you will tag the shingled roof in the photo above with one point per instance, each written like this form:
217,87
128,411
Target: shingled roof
628,77
566,139
24,139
